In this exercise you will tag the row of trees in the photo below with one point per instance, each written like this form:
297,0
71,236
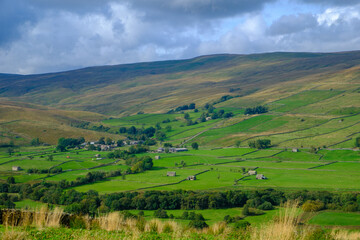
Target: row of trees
259,143
183,108
65,143
93,203
256,110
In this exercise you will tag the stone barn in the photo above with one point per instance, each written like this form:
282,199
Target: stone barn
16,168
295,150
171,174
157,157
260,176
191,178
252,172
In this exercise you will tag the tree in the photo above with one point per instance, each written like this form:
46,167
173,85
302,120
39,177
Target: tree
160,135
10,151
168,128
35,142
120,143
228,115
50,158
357,142
122,130
10,180
109,141
186,116
256,110
246,210
167,145
195,145
260,143
102,140
237,143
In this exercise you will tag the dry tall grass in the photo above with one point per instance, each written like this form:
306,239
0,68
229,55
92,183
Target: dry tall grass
38,218
342,234
283,227
12,234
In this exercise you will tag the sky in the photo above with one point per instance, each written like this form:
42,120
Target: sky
39,36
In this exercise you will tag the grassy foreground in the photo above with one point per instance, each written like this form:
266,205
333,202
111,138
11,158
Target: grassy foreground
45,224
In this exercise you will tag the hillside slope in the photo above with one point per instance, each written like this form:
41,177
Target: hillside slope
160,86
21,122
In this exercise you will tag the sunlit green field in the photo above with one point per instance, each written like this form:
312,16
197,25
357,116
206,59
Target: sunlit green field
224,168
336,219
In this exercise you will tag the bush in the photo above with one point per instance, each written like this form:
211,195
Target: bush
260,143
198,224
242,224
313,206
160,214
266,206
319,234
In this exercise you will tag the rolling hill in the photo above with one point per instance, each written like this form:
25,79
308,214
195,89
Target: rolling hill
304,91
159,86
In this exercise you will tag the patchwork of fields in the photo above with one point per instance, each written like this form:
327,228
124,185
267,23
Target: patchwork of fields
214,169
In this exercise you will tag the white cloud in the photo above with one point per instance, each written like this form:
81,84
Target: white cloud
335,29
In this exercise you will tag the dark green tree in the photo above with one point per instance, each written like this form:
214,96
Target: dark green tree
10,180
195,145
102,140
109,141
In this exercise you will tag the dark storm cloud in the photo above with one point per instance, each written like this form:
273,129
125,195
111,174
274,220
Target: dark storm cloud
204,9
13,14
78,6
195,8
292,24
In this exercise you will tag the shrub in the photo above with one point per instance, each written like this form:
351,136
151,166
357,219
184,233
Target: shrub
266,206
313,206
198,224
160,214
242,224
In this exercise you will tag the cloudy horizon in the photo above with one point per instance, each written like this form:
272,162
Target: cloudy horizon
39,36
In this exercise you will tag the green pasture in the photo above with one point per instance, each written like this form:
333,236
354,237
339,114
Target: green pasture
304,179
262,153
270,164
72,175
23,177
340,155
29,204
303,156
189,160
336,219
223,152
136,181
302,99
215,215
343,166
243,126
78,165
27,163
